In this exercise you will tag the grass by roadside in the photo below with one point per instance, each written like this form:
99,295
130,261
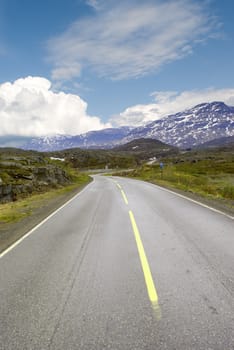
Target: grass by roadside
15,211
211,179
17,218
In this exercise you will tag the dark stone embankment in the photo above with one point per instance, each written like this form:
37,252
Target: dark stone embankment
21,176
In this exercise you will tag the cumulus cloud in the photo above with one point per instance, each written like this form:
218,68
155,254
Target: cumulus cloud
126,39
28,107
170,102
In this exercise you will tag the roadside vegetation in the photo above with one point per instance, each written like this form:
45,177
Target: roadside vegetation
30,180
34,179
12,212
209,174
95,159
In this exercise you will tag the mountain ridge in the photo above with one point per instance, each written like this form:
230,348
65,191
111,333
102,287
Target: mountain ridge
202,123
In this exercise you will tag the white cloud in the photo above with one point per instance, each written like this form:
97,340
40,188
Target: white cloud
93,3
129,39
170,102
66,72
28,107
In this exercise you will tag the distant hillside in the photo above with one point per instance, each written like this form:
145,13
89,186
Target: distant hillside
221,142
123,156
94,159
7,151
146,148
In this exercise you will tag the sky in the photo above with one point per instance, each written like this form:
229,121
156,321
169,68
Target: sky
71,66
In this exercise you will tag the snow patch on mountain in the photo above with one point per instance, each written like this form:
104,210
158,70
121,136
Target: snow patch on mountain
200,124
204,122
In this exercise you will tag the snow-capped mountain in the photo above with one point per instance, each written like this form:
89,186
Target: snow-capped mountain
105,138
200,124
226,142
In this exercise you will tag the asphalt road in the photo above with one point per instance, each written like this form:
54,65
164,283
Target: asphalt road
125,265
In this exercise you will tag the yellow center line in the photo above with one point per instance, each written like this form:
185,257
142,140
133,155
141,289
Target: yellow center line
122,192
152,293
153,296
124,197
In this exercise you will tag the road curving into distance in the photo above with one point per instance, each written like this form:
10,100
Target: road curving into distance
125,265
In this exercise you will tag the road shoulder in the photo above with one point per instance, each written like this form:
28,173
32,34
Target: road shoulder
11,232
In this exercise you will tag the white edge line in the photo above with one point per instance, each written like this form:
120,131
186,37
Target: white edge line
189,199
42,222
196,202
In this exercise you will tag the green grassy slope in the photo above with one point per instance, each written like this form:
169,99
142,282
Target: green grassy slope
207,173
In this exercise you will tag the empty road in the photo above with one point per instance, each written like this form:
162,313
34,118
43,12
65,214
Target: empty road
125,265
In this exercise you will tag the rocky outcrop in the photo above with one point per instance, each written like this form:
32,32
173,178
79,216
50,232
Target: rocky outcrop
20,176
6,194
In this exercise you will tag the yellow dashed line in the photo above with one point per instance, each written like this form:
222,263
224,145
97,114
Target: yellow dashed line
124,197
152,293
122,192
153,296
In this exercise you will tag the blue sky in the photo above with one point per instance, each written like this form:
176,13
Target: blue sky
70,66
